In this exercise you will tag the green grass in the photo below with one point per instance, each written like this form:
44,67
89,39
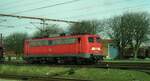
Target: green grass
110,75
94,74
30,70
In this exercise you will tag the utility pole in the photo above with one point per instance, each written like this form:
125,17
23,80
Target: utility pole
1,48
43,22
43,26
1,40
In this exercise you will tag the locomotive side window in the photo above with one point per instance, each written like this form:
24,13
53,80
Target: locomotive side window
57,41
44,42
63,41
34,43
69,41
91,39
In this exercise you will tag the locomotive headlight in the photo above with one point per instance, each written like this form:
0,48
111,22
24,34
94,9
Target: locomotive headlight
93,48
98,48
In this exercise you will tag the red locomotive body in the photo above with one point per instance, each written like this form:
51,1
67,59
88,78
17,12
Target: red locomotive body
62,48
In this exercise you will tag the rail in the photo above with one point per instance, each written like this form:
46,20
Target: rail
38,78
117,65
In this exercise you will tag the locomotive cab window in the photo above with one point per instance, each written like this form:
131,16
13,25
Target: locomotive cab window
98,40
91,39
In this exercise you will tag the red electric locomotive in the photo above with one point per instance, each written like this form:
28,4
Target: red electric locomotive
60,49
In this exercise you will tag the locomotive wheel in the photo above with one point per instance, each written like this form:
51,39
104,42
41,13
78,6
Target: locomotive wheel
60,60
42,61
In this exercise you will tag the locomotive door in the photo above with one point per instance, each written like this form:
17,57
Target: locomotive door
78,46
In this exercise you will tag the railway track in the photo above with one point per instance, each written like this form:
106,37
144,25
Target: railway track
38,78
142,67
125,65
115,65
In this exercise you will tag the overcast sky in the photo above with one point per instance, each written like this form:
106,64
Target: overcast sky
73,10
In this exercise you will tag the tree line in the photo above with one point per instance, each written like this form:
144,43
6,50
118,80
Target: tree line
128,30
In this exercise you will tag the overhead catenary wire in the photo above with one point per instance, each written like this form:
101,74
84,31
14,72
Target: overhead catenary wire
79,9
2,26
48,6
20,5
36,26
11,2
97,12
75,16
82,8
39,23
92,8
2,20
35,2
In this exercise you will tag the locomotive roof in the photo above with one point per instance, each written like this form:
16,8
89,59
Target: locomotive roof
65,36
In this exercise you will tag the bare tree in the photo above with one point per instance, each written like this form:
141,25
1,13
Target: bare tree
47,31
15,42
129,30
120,34
89,26
139,28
